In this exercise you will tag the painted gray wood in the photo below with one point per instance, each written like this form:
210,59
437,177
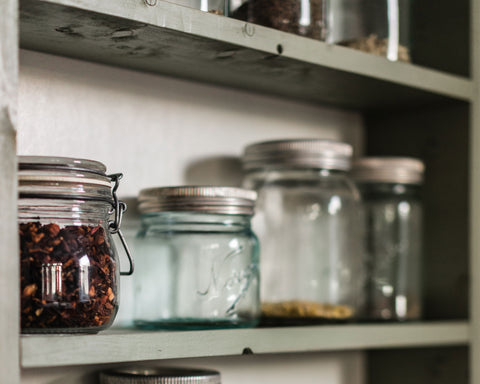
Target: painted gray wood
9,265
475,197
128,346
187,43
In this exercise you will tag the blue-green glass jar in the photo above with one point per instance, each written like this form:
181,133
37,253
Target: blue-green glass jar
197,259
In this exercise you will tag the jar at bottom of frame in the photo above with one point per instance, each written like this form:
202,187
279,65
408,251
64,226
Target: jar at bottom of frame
392,207
69,272
300,17
309,230
160,375
197,259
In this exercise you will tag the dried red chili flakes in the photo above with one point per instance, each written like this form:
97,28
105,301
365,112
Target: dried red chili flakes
68,278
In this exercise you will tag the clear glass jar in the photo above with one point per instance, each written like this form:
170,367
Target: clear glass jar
390,188
308,225
381,27
154,375
197,259
217,7
69,267
302,17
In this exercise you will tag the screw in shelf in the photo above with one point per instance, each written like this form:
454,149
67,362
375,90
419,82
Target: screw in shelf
151,3
249,29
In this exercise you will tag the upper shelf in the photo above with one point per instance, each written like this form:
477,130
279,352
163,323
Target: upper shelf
187,43
129,346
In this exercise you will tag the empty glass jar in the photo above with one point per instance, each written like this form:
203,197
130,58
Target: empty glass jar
390,188
69,266
302,17
197,259
381,27
309,230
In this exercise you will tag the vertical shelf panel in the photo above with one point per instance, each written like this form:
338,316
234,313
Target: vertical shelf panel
9,271
475,196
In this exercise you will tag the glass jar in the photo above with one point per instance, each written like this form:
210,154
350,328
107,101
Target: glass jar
160,376
393,217
69,268
217,7
198,259
381,27
302,17
307,220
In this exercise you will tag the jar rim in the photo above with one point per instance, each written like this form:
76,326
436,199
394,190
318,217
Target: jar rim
63,177
159,375
301,153
402,170
205,199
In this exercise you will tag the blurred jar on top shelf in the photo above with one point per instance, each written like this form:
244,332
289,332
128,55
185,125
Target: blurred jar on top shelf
308,223
301,17
380,27
390,189
217,7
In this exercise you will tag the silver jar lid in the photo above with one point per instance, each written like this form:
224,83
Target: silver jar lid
305,153
403,170
203,199
160,376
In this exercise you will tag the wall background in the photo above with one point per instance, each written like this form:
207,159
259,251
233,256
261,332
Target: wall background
160,131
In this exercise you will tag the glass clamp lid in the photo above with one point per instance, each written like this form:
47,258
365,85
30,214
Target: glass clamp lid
41,177
160,376
402,170
202,199
310,153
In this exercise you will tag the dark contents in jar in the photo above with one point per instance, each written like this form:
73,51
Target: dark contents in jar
68,278
284,15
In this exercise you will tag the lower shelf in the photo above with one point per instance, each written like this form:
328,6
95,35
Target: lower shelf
128,346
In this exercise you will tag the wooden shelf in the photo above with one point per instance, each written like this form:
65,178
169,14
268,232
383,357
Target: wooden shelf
129,346
186,43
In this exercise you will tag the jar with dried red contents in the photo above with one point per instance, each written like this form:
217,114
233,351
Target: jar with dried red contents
67,212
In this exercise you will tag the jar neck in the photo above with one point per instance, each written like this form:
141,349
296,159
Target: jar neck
381,189
196,221
294,172
64,211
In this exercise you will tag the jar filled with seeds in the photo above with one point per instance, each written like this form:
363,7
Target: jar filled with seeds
308,223
197,259
390,189
67,212
160,376
380,27
301,17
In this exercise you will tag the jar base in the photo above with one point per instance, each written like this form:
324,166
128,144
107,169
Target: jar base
300,321
194,324
68,331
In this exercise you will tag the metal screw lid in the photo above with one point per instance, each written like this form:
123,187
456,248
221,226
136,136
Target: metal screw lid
160,376
404,170
300,153
203,199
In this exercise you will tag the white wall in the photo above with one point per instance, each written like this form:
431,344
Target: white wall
162,131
